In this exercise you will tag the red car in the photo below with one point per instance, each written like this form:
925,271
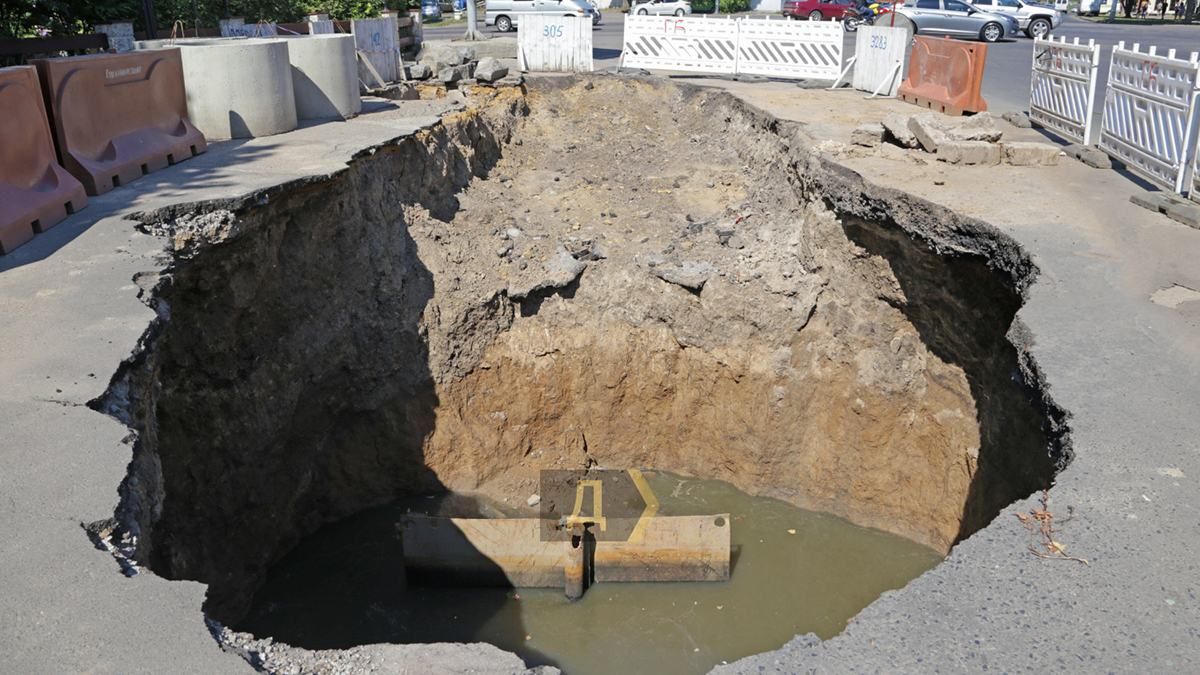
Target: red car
817,10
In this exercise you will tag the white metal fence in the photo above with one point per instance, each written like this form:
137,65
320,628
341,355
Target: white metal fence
694,44
789,49
728,46
1062,94
1150,114
561,44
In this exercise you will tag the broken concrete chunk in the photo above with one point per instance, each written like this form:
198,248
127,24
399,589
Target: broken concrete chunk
557,272
969,152
929,130
1093,157
453,74
489,70
867,135
1017,119
981,127
444,56
466,54
534,500
690,275
1020,153
896,126
418,71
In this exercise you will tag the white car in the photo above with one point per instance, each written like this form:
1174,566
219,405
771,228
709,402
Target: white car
676,7
1036,19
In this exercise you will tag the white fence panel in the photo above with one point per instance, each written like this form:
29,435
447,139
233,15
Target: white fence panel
879,59
378,40
557,44
693,44
1150,114
321,27
1062,94
791,49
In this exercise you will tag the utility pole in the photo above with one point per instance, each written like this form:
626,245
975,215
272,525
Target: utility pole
472,32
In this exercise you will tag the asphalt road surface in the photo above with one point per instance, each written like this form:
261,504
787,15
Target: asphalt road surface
1006,80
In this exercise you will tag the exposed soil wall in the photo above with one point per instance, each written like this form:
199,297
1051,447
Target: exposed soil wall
599,272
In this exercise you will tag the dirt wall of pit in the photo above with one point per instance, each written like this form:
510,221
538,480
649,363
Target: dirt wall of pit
503,294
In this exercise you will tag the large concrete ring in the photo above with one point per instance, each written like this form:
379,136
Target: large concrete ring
324,76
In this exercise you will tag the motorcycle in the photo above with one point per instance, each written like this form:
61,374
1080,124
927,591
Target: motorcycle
856,17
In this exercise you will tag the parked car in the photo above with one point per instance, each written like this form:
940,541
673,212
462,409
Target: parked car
505,14
958,19
431,10
676,7
1036,19
817,10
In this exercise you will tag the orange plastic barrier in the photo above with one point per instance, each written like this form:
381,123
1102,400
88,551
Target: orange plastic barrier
35,192
118,117
945,75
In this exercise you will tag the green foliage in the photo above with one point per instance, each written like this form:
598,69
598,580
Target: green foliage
704,6
70,17
731,6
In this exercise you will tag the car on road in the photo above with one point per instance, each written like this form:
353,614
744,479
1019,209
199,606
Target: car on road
1036,19
596,17
817,10
958,19
431,10
505,14
676,7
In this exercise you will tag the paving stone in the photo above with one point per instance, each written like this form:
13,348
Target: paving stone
1023,153
1153,201
1092,156
969,152
1184,212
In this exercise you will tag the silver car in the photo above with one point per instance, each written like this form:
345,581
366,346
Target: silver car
504,14
958,19
676,7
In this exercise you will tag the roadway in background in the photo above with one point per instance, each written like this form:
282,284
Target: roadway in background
1006,79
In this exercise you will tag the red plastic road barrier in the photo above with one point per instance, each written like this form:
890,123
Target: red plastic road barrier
118,117
35,192
945,75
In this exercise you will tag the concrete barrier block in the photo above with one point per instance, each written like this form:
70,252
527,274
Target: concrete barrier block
35,192
969,152
117,117
1020,153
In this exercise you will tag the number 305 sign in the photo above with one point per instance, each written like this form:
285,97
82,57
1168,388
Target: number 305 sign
560,44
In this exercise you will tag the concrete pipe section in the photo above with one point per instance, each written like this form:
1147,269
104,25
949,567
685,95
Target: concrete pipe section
236,87
324,76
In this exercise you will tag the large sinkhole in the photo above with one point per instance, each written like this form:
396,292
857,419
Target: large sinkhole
585,274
